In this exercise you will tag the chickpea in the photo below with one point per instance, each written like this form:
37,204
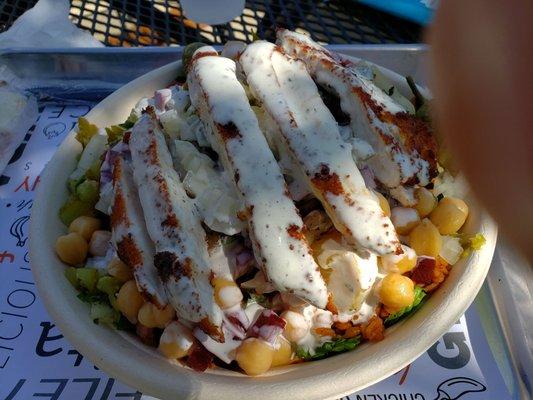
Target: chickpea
129,301
404,219
254,356
119,270
397,291
425,239
296,326
450,215
72,248
176,341
100,242
426,202
227,293
384,204
152,317
399,263
85,226
283,354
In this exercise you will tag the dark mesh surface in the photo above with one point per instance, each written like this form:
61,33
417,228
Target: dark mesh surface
160,22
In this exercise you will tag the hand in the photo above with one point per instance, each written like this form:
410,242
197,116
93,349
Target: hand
482,78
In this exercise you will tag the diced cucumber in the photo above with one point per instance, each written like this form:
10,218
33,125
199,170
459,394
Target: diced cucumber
73,184
88,191
87,277
73,209
92,152
94,170
113,301
70,274
108,284
102,313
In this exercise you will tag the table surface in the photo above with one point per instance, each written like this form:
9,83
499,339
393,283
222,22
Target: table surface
161,22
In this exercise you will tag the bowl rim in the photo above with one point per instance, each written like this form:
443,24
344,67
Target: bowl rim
329,378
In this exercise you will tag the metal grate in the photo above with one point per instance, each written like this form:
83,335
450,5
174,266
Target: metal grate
161,22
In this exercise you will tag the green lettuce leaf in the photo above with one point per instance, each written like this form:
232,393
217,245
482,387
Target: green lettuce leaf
329,348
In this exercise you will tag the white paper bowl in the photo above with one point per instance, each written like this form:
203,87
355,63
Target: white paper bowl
142,367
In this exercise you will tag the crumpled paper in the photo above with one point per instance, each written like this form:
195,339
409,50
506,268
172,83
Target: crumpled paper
47,25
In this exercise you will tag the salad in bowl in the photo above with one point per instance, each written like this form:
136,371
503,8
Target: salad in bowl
276,204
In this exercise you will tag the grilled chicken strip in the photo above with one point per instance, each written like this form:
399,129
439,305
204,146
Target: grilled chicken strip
405,149
275,227
181,255
311,135
129,234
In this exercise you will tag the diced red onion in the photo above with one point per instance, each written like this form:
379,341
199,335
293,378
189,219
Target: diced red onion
268,326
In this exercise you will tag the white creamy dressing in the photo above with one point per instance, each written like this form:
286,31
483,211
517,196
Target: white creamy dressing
173,224
132,227
311,133
314,318
404,216
178,334
274,224
225,351
326,69
390,261
216,199
351,276
404,195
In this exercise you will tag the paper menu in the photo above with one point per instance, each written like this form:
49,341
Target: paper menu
37,362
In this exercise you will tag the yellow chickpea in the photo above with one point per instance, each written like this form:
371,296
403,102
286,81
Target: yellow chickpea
129,301
404,219
85,226
397,291
72,248
227,293
425,239
384,204
296,326
283,354
399,263
152,317
425,202
254,356
119,270
450,215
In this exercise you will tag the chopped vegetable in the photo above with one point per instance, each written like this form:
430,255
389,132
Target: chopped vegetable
87,277
329,348
73,209
122,324
87,191
102,313
90,298
86,131
260,299
113,301
471,242
404,312
73,183
70,274
188,51
114,133
93,172
91,154
108,284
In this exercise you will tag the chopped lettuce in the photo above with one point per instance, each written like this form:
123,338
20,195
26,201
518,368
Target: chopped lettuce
404,312
102,313
470,242
86,131
329,348
91,154
116,132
